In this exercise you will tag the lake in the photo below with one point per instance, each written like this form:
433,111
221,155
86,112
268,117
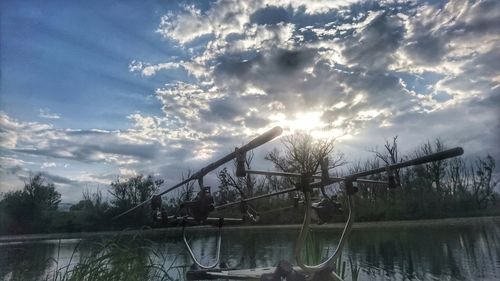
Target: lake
459,252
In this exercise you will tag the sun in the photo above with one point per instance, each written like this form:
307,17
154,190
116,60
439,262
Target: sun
308,121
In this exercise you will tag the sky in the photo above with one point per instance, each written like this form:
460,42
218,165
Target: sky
95,90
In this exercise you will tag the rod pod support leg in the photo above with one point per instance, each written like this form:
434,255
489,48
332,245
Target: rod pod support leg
305,230
217,255
241,157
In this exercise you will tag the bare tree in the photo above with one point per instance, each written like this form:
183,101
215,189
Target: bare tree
483,185
390,156
458,176
435,169
243,185
186,191
303,154
249,179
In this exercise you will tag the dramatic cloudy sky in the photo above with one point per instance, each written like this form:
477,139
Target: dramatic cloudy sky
92,90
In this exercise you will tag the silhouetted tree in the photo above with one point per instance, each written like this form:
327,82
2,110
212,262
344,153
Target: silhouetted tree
26,210
483,185
390,155
435,170
303,153
92,211
129,193
132,191
185,193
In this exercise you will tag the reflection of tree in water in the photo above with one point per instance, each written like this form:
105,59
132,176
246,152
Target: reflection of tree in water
257,248
172,253
458,253
239,249
26,263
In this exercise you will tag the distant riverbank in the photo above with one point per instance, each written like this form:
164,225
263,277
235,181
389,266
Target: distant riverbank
448,222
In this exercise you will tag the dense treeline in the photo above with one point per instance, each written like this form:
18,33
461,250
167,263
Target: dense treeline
34,209
455,187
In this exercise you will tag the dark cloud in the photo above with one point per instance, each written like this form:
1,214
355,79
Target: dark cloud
24,175
58,179
373,46
438,30
73,150
14,170
223,109
382,90
427,48
236,66
277,73
255,122
270,15
278,62
484,18
289,61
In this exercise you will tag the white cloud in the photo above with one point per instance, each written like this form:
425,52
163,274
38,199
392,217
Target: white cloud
152,69
39,139
46,165
46,113
12,162
127,172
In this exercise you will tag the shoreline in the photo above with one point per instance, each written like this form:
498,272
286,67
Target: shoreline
377,225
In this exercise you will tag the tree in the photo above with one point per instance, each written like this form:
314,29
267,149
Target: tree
303,154
483,184
435,169
42,195
129,193
230,185
126,194
92,211
26,210
390,156
184,193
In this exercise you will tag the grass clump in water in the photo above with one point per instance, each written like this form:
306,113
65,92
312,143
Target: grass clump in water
118,260
316,252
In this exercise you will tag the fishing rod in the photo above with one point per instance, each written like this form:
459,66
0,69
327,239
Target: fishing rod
298,175
238,153
457,151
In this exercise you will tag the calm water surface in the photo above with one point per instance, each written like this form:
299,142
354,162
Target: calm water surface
469,252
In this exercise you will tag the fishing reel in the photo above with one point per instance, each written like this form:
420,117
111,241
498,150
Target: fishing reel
326,209
284,270
159,213
392,180
201,206
249,213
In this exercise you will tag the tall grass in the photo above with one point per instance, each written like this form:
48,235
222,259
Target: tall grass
117,260
315,252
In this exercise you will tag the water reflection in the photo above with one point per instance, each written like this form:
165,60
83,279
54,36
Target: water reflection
428,253
458,253
20,261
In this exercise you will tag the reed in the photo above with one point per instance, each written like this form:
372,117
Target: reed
315,252
117,260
